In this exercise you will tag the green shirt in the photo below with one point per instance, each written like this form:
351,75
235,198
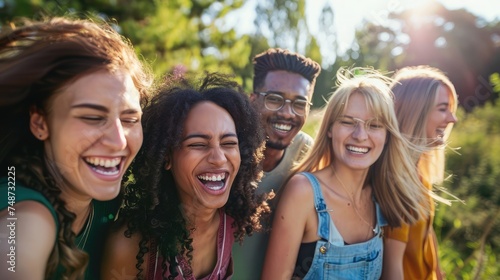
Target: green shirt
90,239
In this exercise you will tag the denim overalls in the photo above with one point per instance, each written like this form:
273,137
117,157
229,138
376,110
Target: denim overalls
333,259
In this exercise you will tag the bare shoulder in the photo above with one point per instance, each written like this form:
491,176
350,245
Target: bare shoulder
296,191
119,259
31,215
299,185
29,233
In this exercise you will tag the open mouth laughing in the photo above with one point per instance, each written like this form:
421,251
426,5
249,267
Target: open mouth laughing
440,132
104,166
282,127
213,181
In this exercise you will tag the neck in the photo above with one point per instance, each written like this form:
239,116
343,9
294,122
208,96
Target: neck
198,218
75,202
81,208
351,182
272,158
82,213
204,224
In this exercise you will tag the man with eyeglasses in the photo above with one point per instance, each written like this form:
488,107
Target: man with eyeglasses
283,86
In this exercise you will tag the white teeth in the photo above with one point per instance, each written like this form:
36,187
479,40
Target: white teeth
213,178
357,149
283,127
103,162
108,173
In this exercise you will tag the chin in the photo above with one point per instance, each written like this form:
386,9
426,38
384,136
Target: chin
110,194
436,142
277,145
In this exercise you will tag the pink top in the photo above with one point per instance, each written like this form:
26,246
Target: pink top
223,269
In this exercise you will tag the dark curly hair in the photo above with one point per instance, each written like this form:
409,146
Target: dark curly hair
151,202
37,60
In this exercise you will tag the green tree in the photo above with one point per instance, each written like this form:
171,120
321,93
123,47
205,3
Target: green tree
181,34
188,33
284,24
470,232
433,35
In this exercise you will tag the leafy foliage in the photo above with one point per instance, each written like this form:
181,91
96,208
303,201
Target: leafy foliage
432,35
470,232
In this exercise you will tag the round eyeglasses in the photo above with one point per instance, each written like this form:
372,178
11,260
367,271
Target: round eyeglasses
275,102
371,125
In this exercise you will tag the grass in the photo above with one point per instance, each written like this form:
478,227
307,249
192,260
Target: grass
311,126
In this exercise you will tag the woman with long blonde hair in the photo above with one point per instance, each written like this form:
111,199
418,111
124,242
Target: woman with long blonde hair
358,177
426,103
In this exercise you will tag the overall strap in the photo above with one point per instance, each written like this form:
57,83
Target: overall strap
319,204
381,221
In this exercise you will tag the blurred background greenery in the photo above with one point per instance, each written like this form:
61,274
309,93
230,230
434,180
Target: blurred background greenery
178,36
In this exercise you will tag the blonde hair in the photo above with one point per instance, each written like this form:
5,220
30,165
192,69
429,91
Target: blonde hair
415,90
393,176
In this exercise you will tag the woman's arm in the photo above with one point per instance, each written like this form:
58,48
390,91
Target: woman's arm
26,242
119,256
289,225
393,259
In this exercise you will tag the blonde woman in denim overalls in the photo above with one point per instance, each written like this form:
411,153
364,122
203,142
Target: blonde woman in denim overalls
358,177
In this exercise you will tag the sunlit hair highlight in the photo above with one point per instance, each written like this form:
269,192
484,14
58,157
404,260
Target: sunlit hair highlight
393,176
415,90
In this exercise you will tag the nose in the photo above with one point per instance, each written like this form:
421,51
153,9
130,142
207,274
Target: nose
360,132
217,156
286,111
452,118
114,136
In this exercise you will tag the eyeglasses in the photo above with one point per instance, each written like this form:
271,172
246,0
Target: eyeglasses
275,102
371,125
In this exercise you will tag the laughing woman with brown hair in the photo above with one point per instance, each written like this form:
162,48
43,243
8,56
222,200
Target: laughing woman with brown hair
70,110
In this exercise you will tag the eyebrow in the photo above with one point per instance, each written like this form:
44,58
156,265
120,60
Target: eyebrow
349,117
282,93
91,106
205,136
102,108
354,118
443,103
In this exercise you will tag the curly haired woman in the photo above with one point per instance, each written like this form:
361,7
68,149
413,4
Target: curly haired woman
193,188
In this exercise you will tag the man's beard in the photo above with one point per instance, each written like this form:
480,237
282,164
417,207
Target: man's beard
275,145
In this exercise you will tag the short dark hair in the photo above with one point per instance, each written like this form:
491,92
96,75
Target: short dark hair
152,204
279,59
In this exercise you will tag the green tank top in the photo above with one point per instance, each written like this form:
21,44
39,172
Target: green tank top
92,236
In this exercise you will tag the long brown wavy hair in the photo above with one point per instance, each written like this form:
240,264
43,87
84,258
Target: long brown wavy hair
37,60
